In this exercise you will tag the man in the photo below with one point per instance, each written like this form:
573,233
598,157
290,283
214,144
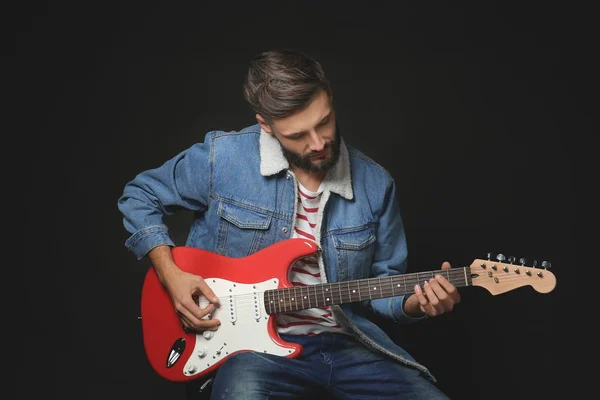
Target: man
291,175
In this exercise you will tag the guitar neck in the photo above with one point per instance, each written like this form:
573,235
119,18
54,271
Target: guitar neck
326,294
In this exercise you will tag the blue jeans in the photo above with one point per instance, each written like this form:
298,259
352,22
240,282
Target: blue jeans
330,363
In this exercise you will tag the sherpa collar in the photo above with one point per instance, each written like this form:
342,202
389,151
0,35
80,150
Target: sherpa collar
337,180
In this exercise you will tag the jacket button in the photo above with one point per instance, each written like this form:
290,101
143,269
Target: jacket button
284,230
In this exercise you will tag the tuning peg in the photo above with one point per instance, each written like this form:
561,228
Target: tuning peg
500,257
512,259
546,264
523,260
489,256
534,263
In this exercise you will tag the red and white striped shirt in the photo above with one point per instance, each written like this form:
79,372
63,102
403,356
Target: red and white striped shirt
306,272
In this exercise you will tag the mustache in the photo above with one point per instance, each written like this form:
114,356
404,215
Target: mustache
327,146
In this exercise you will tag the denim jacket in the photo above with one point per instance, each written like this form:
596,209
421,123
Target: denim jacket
243,197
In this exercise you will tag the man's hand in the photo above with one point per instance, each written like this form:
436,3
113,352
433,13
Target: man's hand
436,297
182,288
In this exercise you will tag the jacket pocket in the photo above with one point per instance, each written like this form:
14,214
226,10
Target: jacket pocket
354,250
242,229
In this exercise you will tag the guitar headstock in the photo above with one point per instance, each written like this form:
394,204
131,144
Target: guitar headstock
505,275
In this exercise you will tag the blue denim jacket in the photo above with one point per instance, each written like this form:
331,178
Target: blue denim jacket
243,195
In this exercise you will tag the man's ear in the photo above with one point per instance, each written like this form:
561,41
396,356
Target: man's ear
263,124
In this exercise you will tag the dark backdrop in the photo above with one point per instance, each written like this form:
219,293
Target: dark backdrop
471,109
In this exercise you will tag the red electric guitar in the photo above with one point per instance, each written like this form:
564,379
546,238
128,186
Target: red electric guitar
253,289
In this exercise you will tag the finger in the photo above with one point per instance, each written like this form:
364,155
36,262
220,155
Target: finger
439,291
185,321
205,324
431,295
200,325
446,265
195,312
206,290
449,288
423,301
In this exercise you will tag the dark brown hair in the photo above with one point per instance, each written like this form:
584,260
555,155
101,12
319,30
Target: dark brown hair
281,82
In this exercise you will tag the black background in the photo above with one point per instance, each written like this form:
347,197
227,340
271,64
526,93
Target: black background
473,110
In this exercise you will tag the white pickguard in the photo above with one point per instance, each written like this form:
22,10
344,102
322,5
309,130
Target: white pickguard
244,322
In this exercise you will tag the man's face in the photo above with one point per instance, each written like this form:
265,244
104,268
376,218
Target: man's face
309,138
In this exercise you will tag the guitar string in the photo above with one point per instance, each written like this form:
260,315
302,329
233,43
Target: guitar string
335,287
247,300
362,284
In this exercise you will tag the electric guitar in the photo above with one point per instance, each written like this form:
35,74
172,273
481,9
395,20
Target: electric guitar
252,290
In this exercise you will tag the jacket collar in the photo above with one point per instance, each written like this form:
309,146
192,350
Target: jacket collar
338,179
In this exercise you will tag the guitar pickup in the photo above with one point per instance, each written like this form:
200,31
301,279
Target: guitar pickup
256,303
232,312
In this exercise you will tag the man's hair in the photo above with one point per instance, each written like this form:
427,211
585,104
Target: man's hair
280,82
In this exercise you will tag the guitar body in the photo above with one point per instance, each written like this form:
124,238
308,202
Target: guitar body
240,284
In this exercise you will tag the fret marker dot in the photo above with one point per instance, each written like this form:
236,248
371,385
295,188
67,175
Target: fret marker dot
354,291
304,296
375,288
328,299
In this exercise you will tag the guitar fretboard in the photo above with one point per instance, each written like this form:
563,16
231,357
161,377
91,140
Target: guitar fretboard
326,294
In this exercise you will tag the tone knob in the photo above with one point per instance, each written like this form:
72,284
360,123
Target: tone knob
208,334
201,353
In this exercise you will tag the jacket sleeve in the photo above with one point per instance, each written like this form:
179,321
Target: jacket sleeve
390,256
181,183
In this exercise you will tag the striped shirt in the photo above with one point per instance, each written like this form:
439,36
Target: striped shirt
306,272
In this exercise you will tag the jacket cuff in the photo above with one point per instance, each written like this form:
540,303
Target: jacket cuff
401,316
144,240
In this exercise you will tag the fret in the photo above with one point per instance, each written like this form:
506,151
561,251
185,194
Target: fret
315,300
359,294
295,299
320,291
267,301
279,299
272,301
301,297
349,291
339,286
296,304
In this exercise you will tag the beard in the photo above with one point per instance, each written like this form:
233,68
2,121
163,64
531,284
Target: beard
304,161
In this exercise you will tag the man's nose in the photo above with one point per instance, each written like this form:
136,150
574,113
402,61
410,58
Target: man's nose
317,143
